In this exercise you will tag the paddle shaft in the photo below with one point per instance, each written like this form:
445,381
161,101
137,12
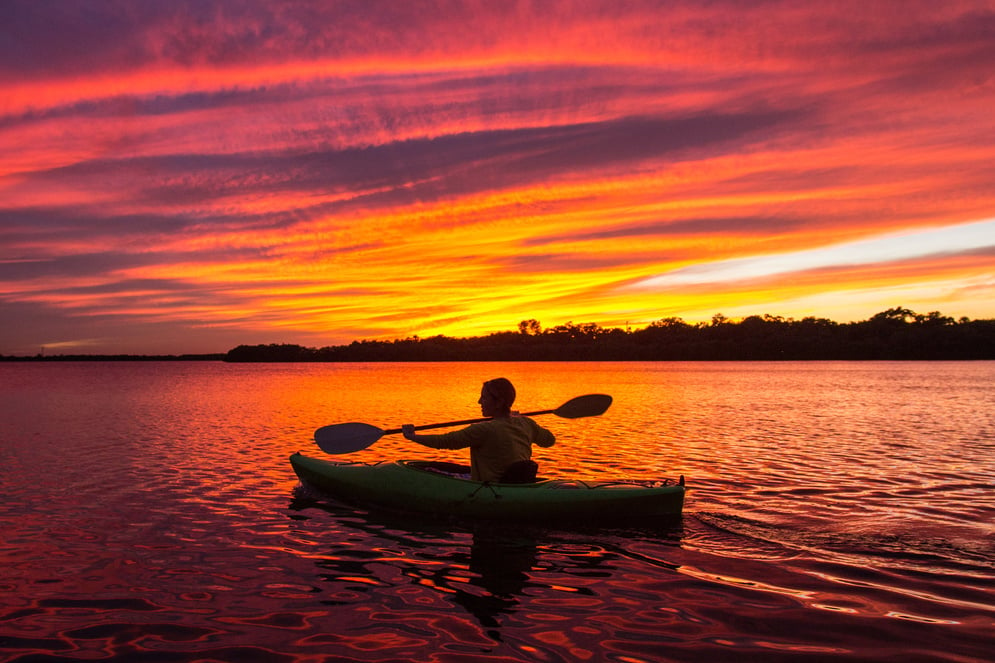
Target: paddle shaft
465,422
355,436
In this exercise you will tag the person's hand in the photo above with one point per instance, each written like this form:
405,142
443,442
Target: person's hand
408,431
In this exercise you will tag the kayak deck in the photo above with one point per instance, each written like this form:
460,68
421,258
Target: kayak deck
414,486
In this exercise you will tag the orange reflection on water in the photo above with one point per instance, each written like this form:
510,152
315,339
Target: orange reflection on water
175,480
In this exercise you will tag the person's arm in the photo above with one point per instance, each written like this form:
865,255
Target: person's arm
542,437
455,440
408,431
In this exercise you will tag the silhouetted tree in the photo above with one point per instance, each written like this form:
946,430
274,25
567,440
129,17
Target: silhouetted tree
897,333
530,327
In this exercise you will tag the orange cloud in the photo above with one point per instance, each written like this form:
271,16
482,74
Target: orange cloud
284,173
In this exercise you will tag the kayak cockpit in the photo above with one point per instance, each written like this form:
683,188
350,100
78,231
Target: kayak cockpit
521,472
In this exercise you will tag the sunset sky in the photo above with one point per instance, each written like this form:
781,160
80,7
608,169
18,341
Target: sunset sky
190,176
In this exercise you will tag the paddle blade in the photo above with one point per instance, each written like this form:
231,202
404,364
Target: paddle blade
584,406
346,438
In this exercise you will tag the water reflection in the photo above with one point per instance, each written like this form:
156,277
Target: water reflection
486,569
478,570
833,508
635,593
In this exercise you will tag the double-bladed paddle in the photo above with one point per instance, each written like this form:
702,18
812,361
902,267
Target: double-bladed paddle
346,438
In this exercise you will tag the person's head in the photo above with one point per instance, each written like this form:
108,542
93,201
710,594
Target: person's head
496,397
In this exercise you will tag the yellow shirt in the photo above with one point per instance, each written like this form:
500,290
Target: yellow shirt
494,444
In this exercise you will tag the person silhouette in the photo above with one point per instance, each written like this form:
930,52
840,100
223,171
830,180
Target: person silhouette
498,445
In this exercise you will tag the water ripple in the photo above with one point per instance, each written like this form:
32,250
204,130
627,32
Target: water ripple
834,510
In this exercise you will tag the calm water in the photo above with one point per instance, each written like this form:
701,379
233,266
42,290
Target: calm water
837,511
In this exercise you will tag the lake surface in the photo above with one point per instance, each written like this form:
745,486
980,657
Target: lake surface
836,511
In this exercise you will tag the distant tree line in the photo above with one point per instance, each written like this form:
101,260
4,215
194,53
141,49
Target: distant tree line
117,357
895,334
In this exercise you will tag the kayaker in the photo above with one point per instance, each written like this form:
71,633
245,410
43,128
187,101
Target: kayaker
494,445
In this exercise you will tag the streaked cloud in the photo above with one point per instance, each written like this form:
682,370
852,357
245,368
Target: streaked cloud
971,238
186,177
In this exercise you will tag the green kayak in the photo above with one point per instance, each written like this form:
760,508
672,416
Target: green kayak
421,486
